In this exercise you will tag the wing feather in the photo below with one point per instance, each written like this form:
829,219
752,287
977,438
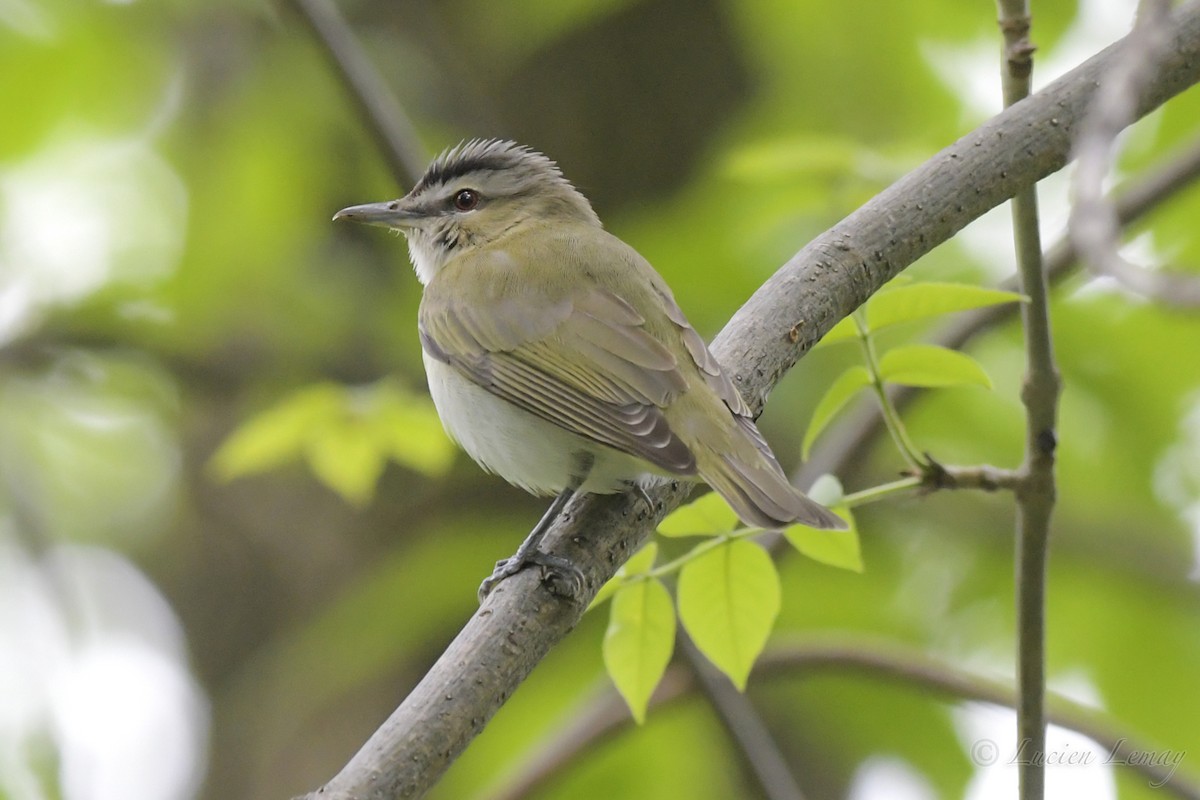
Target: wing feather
585,363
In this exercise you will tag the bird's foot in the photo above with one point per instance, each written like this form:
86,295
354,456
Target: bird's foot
643,499
561,577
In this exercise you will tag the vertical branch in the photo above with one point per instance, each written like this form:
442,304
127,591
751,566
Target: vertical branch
1039,393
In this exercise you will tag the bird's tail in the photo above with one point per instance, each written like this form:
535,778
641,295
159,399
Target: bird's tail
753,483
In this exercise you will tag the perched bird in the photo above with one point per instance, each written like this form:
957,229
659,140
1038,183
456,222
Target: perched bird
557,357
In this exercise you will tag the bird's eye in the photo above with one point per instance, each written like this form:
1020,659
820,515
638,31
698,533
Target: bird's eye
466,199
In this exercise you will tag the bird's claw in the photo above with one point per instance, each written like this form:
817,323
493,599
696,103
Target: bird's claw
561,577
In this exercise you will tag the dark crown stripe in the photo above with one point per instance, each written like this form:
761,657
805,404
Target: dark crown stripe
442,173
478,155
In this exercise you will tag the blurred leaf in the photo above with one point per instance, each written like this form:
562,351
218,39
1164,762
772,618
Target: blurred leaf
345,455
410,428
708,516
639,562
931,366
276,436
844,388
728,601
345,433
931,299
639,641
90,447
835,548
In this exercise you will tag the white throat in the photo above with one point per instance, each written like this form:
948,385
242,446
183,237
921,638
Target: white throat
427,257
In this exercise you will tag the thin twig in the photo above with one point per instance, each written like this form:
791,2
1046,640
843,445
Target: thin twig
382,115
984,477
871,658
1036,487
1094,224
743,724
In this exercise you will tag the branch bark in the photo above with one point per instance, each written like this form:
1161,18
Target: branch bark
521,620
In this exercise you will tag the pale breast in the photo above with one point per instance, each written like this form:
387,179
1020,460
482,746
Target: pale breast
524,449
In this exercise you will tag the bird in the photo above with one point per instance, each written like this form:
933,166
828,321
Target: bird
558,358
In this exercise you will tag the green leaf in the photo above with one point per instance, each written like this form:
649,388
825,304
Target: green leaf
844,331
345,456
728,601
346,433
639,640
408,428
275,436
835,548
835,399
921,300
708,516
640,562
931,366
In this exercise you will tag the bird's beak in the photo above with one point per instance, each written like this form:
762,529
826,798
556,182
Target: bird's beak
391,214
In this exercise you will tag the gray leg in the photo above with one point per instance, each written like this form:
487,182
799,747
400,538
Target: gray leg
564,577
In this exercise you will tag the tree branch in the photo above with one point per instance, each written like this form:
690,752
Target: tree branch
1035,487
1094,224
393,131
743,724
868,657
854,433
835,273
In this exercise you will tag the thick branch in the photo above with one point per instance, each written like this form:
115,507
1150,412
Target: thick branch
1142,195
830,277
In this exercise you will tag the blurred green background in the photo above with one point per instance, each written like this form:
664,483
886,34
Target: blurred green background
169,274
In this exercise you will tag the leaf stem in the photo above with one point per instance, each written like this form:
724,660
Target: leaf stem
891,419
675,564
882,492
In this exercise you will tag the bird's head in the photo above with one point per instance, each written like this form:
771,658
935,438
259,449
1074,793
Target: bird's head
472,195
